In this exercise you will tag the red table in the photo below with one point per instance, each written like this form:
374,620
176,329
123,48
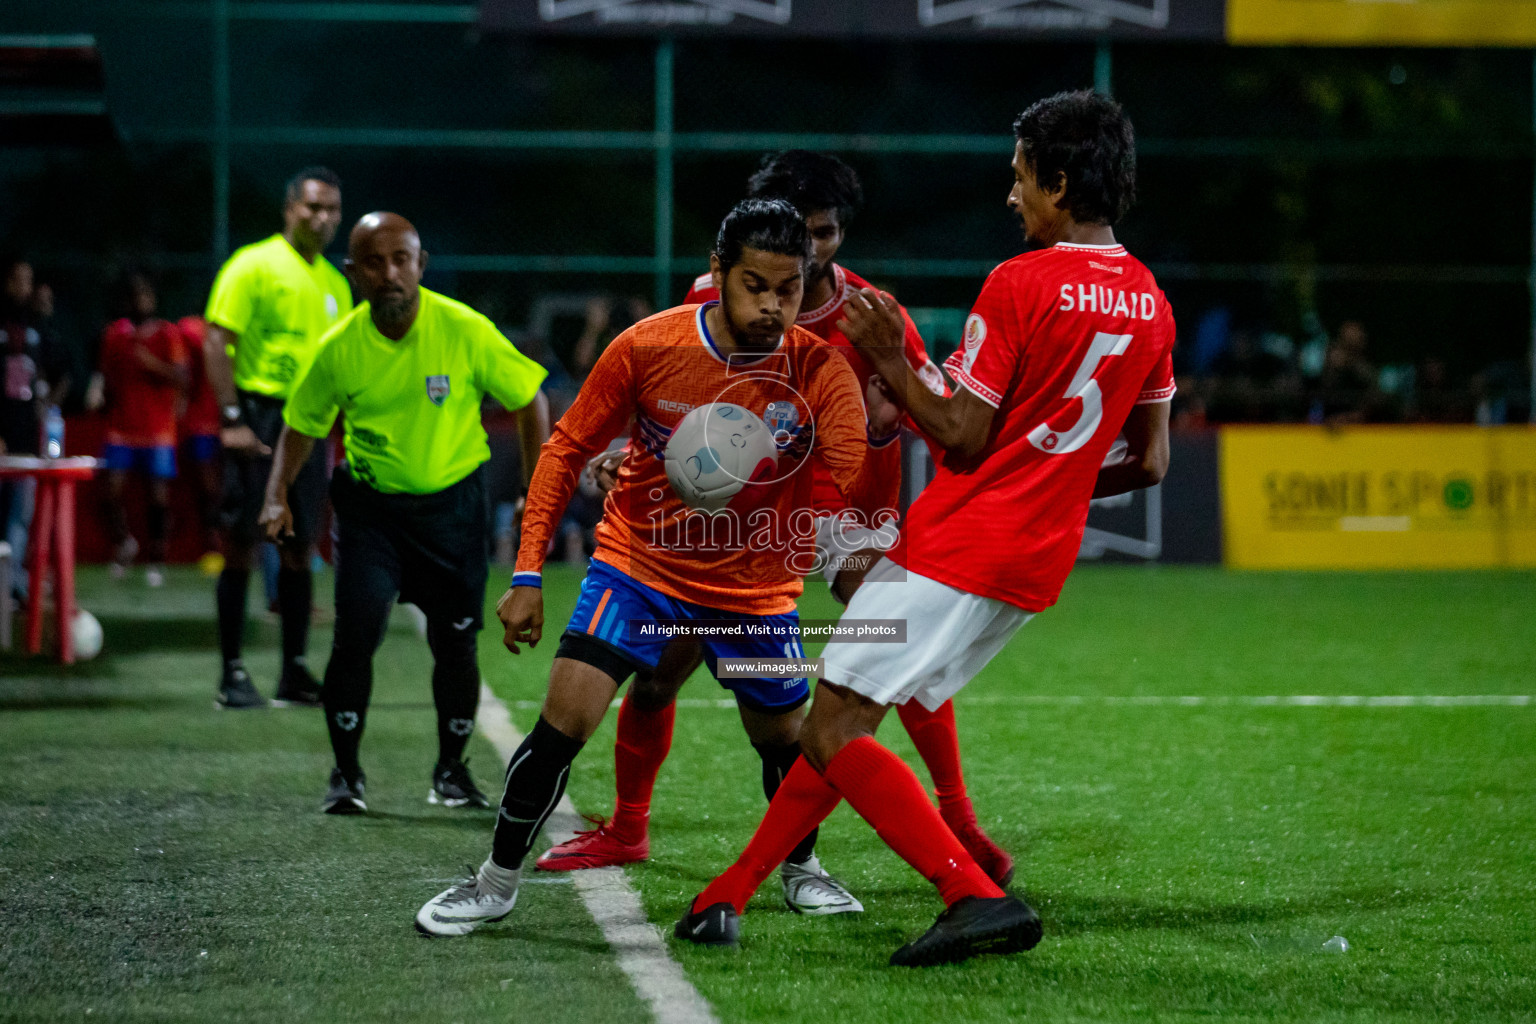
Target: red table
53,535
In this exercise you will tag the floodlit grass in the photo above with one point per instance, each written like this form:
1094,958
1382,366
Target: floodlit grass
1189,861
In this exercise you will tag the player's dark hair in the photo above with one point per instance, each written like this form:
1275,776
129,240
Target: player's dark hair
769,225
294,190
123,286
809,182
1087,138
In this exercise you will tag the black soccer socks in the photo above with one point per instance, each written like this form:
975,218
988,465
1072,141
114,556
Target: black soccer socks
295,602
535,782
777,761
230,598
455,687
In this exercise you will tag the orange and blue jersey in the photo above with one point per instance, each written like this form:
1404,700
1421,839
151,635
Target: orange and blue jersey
652,375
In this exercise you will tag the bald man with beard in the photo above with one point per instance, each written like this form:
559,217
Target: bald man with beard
408,368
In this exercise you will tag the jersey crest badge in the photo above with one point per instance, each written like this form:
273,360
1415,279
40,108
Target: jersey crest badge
781,418
437,388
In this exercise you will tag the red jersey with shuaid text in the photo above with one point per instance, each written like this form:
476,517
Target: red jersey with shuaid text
1063,342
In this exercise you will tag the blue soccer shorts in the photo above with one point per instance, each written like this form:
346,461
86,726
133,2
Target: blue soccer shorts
614,608
158,461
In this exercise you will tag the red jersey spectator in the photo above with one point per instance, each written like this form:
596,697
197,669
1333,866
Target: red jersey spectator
143,360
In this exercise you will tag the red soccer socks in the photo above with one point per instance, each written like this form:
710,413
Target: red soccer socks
643,742
886,793
803,801
937,741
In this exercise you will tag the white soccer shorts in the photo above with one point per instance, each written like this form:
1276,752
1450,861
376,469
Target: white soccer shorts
951,635
837,539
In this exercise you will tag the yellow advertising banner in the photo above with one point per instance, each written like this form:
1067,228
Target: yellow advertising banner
1378,497
1382,22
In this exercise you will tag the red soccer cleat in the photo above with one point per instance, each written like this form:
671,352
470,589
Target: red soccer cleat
993,859
594,848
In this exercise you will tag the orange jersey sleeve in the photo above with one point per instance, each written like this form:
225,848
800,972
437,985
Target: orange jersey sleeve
602,409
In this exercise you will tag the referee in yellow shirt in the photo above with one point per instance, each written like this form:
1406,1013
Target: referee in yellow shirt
269,306
408,369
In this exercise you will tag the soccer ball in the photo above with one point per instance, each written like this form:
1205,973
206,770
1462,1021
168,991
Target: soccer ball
87,635
717,450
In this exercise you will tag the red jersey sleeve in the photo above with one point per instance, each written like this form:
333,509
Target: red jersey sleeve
842,438
601,411
701,291
989,360
1159,387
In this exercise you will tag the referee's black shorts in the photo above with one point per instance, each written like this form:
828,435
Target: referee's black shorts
430,549
245,479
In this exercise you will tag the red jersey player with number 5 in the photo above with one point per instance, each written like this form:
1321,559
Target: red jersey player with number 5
1067,347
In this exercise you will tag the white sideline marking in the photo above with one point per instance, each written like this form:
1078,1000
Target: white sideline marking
1294,700
610,899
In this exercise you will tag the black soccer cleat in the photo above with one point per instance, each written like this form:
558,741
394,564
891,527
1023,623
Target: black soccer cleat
297,688
452,786
236,691
345,795
973,925
716,925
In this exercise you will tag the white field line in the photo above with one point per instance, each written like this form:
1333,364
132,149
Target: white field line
1295,700
637,944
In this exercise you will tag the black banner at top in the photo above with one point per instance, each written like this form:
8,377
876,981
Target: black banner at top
974,20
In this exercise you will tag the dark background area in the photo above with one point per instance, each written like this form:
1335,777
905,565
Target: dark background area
1296,187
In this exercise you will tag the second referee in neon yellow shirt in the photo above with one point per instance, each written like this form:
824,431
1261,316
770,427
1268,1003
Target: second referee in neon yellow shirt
408,369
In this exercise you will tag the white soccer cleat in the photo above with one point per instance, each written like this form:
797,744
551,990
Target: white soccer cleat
808,889
465,907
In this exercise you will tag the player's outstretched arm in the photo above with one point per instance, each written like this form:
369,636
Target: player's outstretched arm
1145,460
958,423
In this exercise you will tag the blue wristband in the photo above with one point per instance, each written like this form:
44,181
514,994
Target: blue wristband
528,579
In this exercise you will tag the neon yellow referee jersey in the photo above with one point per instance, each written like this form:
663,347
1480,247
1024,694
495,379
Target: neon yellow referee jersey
279,306
412,407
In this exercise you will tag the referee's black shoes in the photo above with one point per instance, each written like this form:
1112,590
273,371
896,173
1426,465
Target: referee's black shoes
236,691
453,787
297,688
345,795
973,925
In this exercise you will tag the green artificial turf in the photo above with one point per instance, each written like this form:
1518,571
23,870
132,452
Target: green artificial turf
161,860
1189,859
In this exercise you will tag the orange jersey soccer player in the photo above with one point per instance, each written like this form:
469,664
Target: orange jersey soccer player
848,540
657,560
1066,346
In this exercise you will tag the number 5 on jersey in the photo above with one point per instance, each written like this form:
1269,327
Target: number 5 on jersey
1054,441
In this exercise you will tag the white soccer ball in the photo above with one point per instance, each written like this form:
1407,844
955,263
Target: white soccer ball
717,450
86,631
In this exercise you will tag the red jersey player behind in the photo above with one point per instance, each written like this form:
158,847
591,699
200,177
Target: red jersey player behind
1066,347
658,561
827,191
143,364
200,435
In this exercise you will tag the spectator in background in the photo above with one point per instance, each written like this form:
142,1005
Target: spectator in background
601,328
1436,398
200,442
28,366
1347,390
1253,384
144,365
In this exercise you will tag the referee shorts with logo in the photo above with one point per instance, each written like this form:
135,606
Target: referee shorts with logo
423,549
245,479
